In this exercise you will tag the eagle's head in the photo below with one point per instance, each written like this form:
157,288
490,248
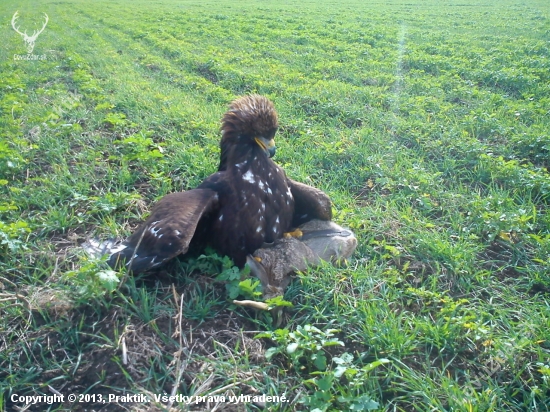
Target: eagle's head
251,120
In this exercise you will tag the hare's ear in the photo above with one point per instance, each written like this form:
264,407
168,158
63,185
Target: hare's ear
257,270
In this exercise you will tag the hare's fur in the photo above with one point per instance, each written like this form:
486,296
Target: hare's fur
274,263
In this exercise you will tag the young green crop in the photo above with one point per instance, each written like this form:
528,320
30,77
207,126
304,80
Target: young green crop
427,125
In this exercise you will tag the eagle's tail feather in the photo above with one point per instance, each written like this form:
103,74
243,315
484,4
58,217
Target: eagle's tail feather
120,254
98,248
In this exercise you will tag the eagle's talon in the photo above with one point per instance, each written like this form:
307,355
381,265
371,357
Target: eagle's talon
297,233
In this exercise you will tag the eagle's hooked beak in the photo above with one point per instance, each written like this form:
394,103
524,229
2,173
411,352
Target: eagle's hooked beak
267,144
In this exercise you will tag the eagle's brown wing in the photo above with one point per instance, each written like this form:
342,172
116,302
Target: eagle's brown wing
167,232
309,203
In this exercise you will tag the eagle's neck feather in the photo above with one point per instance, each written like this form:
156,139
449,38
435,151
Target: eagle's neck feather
244,153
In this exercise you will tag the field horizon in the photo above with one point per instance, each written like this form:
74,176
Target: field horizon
427,124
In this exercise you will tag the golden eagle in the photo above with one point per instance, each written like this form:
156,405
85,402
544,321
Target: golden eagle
249,201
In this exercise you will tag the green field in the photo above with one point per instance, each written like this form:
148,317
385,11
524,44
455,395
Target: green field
426,122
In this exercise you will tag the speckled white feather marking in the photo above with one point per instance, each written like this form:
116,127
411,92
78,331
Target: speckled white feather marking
249,177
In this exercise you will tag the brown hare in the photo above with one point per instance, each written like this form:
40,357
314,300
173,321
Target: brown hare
274,263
